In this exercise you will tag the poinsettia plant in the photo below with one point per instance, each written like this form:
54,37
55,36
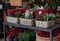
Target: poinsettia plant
44,13
47,34
14,12
17,12
10,12
13,32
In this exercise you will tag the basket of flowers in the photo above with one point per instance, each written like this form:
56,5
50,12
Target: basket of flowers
13,15
44,17
13,32
27,17
45,36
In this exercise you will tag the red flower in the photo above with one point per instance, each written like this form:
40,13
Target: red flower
19,10
56,32
10,10
47,34
49,1
24,9
45,11
36,11
48,10
13,32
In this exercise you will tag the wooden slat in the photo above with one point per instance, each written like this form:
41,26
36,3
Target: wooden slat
4,16
58,14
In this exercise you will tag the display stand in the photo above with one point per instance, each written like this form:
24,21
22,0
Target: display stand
30,27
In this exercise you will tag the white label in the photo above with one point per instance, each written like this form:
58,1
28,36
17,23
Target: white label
1,6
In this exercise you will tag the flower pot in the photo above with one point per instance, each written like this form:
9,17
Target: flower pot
44,24
29,22
38,38
12,19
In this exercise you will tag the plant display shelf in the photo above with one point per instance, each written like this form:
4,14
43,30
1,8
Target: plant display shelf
30,27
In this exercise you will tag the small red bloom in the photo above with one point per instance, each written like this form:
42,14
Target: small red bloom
19,10
24,9
45,11
10,10
36,11
50,9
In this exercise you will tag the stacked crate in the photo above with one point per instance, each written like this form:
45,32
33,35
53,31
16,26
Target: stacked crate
58,14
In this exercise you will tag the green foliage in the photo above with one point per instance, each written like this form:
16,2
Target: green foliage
57,2
53,5
48,17
31,15
23,15
45,17
17,14
24,5
46,6
26,35
52,16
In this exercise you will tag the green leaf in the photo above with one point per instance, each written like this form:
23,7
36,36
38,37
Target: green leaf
23,15
31,15
24,5
45,17
17,14
52,16
53,4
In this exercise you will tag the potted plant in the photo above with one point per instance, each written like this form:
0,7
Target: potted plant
6,1
45,36
13,15
12,32
47,20
27,35
43,16
27,17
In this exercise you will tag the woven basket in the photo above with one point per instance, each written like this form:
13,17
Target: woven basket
38,38
44,24
12,19
29,22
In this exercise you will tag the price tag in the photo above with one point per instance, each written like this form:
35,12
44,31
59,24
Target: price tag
16,2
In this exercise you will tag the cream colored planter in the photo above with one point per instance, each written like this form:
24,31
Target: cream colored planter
38,38
29,22
44,24
12,19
